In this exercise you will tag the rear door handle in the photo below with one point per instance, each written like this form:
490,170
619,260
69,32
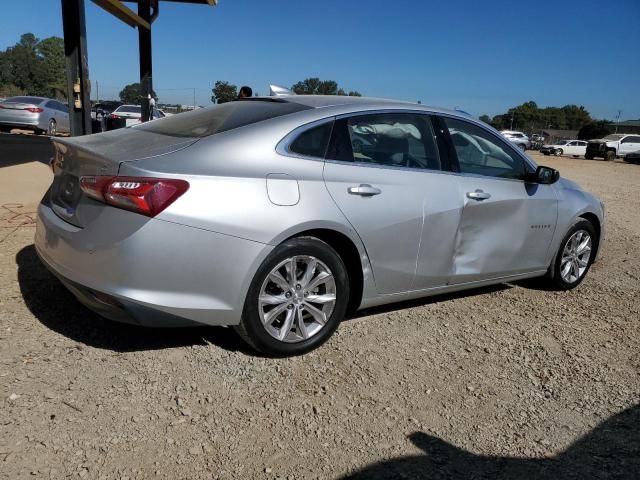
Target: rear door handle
364,190
478,195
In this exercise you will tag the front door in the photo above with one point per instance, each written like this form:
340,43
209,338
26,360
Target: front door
507,224
629,144
382,172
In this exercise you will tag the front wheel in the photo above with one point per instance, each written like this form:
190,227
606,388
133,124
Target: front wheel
52,127
523,147
588,156
610,156
575,256
559,152
297,298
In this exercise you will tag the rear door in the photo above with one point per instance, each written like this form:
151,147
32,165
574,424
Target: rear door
507,225
384,173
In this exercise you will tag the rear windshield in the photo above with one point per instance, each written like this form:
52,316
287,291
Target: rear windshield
613,136
129,109
35,100
220,118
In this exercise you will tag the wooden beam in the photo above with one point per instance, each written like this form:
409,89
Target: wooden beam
117,9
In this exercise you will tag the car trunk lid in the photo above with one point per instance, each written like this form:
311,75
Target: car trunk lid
99,155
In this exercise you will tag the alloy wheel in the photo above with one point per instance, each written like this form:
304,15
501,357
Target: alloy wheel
297,298
575,256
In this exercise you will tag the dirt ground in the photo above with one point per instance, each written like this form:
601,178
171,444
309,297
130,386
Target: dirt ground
506,382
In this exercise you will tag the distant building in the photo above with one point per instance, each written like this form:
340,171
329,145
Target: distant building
551,136
628,126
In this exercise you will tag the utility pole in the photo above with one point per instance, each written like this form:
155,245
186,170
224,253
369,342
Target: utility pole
194,98
511,127
144,39
618,119
97,92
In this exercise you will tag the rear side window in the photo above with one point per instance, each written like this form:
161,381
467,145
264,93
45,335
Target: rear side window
221,118
130,109
313,142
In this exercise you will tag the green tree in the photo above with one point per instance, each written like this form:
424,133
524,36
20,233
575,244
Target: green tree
35,67
529,117
315,86
486,119
223,92
132,94
598,129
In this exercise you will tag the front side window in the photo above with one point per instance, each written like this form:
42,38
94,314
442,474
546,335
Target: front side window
481,153
632,139
312,142
386,139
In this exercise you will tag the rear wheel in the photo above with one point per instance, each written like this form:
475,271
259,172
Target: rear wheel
575,256
558,152
52,127
522,147
297,298
610,155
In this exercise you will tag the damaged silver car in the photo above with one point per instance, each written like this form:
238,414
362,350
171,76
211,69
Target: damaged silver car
280,215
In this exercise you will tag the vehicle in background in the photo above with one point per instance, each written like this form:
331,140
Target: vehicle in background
127,116
518,138
537,141
576,148
633,157
264,215
164,113
612,146
40,114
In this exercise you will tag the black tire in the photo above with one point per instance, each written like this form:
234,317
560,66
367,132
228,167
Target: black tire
588,156
558,152
554,276
610,156
5,129
251,328
522,147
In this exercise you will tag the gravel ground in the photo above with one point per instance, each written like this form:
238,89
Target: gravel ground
505,382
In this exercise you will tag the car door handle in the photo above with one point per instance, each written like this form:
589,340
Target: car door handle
478,195
365,190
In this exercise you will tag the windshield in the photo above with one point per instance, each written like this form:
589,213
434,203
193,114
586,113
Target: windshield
562,142
613,136
223,117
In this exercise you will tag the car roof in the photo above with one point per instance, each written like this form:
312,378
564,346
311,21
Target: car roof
369,103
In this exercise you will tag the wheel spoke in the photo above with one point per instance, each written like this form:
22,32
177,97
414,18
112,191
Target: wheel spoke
322,299
273,299
318,280
291,267
582,262
585,246
302,328
279,280
317,314
309,272
272,314
566,268
286,326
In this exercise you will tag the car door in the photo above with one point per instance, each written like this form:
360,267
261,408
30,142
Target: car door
581,148
629,144
507,224
384,173
63,115
571,148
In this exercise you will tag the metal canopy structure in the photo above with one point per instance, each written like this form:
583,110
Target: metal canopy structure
75,46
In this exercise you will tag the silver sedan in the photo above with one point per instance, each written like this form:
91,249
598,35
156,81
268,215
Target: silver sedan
280,215
40,114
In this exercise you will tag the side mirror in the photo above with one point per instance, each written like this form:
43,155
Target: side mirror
543,175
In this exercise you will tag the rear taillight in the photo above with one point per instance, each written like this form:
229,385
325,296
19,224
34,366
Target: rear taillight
35,109
148,196
113,115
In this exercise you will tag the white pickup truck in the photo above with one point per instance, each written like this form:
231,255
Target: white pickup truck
612,146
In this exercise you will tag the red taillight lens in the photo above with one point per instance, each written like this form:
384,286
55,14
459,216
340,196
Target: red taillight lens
35,109
148,196
113,115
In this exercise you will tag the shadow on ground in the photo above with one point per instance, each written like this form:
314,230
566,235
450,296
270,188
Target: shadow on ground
16,149
610,451
56,308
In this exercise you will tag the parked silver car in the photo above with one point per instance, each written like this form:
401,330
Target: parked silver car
42,115
517,138
261,214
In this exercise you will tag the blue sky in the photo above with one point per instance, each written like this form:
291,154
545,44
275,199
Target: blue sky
482,56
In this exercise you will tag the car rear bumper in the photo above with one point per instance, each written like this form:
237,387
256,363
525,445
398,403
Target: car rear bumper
133,269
